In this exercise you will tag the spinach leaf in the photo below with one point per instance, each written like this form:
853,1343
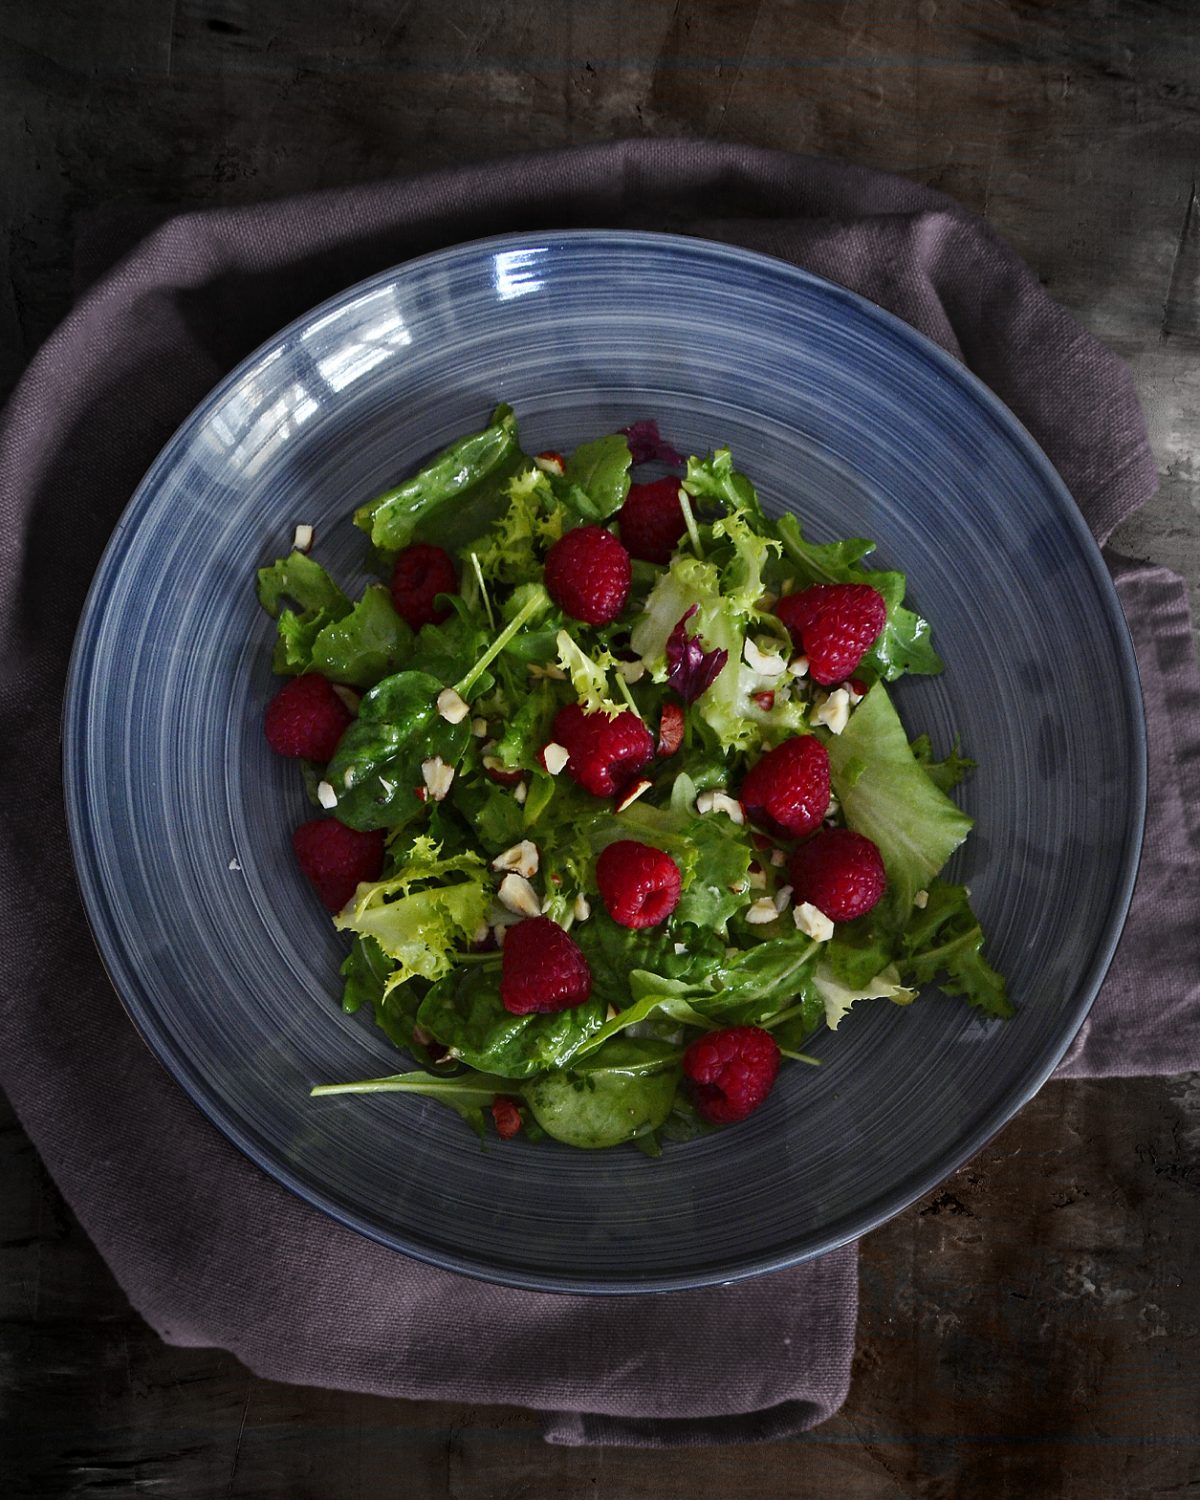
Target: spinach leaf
464,1012
365,970
623,1091
615,954
376,771
597,477
455,497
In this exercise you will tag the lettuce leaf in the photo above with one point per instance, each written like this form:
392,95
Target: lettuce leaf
532,521
421,931
321,603
715,478
838,997
886,794
589,676
717,624
364,646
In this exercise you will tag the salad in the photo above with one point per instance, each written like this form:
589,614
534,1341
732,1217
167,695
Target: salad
610,795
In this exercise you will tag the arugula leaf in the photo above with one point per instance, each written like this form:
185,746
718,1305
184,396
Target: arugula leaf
886,795
468,1093
859,949
495,817
654,995
364,646
768,978
945,774
620,1093
465,1013
454,497
944,943
905,644
306,583
446,651
597,475
529,728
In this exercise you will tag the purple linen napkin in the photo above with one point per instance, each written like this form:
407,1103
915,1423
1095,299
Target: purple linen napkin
165,1198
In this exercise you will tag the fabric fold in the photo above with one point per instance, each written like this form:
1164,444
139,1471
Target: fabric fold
164,1196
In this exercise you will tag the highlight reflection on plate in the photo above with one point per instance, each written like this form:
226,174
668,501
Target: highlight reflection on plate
181,817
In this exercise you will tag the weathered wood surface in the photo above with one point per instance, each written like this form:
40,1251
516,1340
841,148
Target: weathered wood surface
1032,1329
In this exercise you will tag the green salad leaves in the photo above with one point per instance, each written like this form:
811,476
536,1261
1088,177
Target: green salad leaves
451,761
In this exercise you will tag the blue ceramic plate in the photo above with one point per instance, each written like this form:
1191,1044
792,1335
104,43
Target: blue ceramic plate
181,817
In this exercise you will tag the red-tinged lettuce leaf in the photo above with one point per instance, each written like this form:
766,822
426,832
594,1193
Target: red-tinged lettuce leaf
647,445
691,670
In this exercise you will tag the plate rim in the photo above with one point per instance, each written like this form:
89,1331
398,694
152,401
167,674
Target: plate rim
74,738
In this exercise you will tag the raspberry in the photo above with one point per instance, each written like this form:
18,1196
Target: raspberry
605,754
834,624
732,1071
306,719
840,872
507,1116
420,574
587,575
336,858
542,969
651,520
788,790
639,884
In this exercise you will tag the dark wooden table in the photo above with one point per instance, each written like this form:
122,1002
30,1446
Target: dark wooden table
1033,1328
